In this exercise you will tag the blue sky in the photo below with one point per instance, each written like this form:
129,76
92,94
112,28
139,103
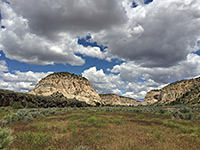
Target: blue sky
58,67
125,47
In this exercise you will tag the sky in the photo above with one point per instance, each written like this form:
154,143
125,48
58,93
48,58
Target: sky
124,47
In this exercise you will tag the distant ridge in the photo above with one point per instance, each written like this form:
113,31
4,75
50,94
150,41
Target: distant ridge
64,89
113,99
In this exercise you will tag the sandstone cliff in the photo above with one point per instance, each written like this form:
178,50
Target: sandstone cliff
70,85
172,92
152,97
113,99
190,97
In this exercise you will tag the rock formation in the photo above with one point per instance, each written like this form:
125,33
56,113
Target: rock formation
113,99
171,92
70,85
151,97
190,97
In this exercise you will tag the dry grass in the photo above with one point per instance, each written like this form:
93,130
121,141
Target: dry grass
85,130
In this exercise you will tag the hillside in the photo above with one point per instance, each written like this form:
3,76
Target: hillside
115,100
70,85
185,91
65,89
190,97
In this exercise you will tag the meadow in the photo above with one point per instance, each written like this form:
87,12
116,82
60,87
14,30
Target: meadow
101,128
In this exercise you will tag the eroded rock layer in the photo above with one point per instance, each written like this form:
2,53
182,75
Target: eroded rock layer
172,92
70,85
113,99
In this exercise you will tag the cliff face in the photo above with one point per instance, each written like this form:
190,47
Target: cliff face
70,85
190,97
151,97
172,92
113,99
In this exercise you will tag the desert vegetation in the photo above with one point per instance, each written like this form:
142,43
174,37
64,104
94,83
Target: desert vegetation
22,100
89,128
190,97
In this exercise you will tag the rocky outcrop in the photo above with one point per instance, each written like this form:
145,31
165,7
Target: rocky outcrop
70,85
115,100
171,92
151,97
190,97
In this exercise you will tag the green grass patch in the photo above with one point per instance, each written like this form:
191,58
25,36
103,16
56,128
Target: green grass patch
103,128
183,128
34,140
5,138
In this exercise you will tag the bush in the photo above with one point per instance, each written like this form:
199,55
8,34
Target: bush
189,116
183,113
185,110
31,105
5,138
28,118
3,123
14,118
17,105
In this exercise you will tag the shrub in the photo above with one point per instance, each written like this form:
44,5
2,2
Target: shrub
3,123
189,116
17,105
185,110
8,119
31,105
14,118
161,111
28,117
5,138
177,115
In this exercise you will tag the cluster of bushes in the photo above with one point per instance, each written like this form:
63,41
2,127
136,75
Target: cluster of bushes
185,113
22,100
26,115
179,112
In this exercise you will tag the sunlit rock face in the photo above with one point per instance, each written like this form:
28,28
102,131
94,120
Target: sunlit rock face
173,91
70,85
113,99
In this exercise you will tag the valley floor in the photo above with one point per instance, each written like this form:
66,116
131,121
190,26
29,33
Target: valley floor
104,129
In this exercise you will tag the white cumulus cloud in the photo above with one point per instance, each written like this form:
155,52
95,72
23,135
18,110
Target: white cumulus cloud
3,66
130,79
160,34
155,41
19,81
48,32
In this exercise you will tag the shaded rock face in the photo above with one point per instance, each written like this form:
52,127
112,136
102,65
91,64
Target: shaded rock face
113,99
171,92
152,97
70,85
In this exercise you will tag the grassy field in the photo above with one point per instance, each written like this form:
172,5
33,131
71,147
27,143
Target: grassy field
106,128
